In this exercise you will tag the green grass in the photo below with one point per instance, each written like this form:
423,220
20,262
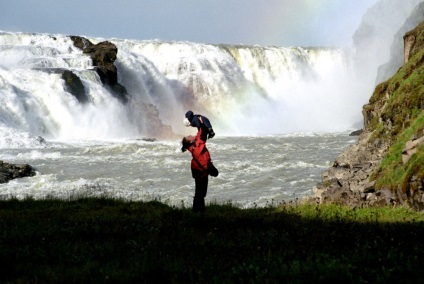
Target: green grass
392,172
406,98
404,93
102,240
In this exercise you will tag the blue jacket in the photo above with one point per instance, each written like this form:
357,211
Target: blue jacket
195,121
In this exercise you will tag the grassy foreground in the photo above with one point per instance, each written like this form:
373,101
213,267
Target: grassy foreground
104,240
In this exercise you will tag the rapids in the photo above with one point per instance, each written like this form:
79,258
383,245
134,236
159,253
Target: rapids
254,170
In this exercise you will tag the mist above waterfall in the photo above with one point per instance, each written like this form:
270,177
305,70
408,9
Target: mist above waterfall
376,33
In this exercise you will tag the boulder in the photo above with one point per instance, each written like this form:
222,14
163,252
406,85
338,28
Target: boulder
356,132
12,171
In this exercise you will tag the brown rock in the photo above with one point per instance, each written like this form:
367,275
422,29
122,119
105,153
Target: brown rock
103,56
12,171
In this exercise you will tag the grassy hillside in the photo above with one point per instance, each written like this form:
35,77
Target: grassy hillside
399,117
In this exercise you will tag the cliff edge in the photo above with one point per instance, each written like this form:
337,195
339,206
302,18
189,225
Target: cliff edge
386,166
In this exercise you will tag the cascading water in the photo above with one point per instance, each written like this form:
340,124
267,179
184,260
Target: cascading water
33,97
299,89
236,85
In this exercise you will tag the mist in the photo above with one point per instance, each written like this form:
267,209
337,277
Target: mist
332,100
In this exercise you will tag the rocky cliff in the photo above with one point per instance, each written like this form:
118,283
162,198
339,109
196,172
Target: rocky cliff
396,61
386,166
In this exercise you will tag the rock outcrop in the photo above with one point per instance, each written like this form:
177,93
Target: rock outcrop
103,56
386,166
375,36
74,86
396,60
12,171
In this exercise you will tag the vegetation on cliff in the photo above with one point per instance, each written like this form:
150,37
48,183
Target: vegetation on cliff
398,106
386,166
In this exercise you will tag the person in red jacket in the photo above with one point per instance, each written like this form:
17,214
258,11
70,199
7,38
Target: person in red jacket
200,164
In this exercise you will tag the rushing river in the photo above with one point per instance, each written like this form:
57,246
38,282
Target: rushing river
254,170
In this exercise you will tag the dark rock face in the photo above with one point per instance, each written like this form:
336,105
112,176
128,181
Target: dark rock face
12,171
74,86
356,132
103,56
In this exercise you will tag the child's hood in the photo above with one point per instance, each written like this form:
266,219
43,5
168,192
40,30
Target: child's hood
189,115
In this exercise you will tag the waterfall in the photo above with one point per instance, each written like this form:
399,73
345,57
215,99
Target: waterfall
244,90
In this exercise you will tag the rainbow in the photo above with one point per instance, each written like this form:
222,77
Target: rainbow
309,22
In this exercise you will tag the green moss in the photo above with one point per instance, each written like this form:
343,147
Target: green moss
401,103
407,98
379,92
392,172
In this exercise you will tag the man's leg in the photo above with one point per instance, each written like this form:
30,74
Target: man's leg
200,194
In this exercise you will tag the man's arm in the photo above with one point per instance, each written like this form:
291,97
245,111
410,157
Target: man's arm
201,135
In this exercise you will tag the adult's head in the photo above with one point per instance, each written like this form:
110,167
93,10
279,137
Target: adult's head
188,141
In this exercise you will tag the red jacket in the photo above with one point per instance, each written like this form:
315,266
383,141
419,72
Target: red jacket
200,154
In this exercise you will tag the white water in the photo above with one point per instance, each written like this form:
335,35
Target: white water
244,90
254,171
256,98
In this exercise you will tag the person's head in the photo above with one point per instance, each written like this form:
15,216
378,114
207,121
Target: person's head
187,141
188,118
189,115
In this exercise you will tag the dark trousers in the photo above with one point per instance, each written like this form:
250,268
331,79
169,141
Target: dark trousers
201,189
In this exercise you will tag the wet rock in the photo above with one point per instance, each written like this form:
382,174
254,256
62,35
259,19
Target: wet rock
12,171
74,86
103,56
356,132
